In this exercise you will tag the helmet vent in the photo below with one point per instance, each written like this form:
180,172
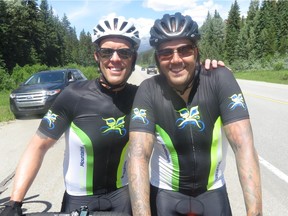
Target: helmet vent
131,30
173,24
99,28
107,24
123,25
115,23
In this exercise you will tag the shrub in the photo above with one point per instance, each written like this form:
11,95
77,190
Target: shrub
90,72
6,82
285,76
277,66
20,74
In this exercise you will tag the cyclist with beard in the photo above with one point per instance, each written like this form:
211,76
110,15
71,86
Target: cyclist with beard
175,126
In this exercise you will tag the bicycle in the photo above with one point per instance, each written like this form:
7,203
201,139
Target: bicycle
84,211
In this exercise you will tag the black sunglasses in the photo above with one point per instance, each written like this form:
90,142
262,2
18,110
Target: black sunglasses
107,53
183,51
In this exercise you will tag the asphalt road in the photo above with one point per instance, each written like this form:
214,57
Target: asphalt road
268,106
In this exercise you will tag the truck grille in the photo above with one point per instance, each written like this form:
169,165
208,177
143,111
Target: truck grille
31,99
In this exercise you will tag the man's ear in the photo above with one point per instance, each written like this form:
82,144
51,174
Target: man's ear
96,57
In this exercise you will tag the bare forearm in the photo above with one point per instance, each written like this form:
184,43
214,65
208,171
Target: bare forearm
249,175
241,139
139,187
138,172
28,167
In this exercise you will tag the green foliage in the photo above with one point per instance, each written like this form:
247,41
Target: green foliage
232,32
91,72
20,74
146,58
212,37
5,113
280,77
34,35
6,82
276,63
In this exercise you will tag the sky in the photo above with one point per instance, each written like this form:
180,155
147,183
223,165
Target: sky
85,14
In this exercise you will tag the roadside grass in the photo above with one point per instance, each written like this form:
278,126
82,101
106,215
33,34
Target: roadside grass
280,77
5,113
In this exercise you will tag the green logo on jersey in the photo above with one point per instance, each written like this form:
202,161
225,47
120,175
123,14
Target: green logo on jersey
114,125
191,117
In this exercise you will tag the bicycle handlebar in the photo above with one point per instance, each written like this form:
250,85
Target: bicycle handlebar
94,213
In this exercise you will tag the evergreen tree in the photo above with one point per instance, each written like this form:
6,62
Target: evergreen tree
249,29
212,37
70,41
3,31
232,32
49,47
86,50
266,39
282,26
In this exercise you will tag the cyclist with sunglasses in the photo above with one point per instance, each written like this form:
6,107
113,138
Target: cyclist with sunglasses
176,123
94,115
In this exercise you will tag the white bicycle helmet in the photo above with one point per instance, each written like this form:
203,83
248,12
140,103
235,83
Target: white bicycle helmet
116,26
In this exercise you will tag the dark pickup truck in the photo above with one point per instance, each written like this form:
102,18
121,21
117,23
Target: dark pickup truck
38,92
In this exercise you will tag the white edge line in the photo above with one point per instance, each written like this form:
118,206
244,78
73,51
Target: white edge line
273,169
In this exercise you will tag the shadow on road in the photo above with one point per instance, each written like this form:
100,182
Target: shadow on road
28,200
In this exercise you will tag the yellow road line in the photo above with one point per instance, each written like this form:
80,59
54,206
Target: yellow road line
266,98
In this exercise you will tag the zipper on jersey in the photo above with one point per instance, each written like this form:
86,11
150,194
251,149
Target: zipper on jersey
193,155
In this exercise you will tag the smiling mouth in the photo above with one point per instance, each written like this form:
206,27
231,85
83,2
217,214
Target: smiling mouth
115,69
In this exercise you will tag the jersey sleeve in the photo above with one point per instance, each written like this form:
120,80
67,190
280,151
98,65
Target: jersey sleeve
230,97
58,117
142,115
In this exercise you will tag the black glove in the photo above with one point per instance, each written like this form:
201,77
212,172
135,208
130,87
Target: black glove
12,208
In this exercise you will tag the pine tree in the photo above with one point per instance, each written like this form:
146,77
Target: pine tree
232,32
212,37
282,26
51,50
249,29
266,30
86,50
3,31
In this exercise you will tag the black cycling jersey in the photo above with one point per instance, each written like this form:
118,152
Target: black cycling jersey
96,124
188,156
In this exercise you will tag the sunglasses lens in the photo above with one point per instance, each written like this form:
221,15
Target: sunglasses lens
124,53
183,51
107,53
165,52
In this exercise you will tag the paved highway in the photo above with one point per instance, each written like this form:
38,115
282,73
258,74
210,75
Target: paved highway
268,106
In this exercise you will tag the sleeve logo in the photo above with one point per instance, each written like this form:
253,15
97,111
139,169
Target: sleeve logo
50,118
140,114
237,101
